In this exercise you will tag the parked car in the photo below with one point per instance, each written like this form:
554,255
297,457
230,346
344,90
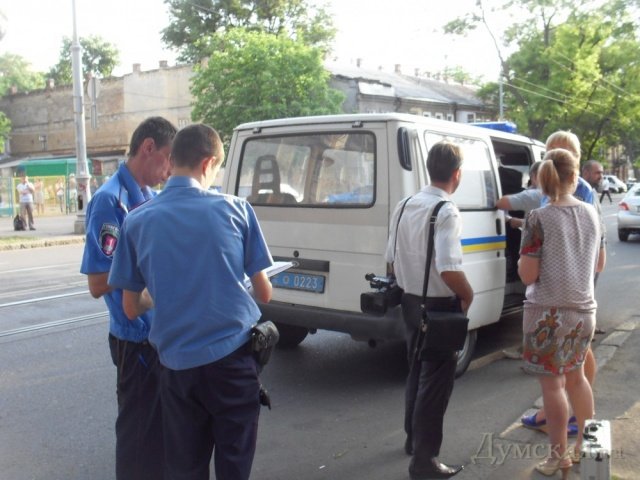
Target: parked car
616,185
630,183
629,213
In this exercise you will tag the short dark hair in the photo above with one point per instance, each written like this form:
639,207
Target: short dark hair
444,158
195,142
159,129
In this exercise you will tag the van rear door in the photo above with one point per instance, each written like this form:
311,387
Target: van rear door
322,199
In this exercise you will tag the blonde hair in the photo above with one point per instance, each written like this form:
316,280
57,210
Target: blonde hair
558,173
566,140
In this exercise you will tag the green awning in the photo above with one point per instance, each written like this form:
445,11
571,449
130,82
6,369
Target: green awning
48,167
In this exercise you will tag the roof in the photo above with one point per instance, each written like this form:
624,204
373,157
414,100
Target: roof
407,86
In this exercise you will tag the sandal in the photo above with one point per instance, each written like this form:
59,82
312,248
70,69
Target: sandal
531,421
574,454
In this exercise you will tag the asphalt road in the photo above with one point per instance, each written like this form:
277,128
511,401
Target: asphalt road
337,404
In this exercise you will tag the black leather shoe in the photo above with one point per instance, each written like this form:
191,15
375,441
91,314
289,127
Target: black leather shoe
408,446
435,470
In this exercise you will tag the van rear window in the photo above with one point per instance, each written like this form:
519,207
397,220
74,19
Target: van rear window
317,170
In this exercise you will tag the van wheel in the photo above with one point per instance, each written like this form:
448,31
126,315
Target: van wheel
290,335
464,355
623,235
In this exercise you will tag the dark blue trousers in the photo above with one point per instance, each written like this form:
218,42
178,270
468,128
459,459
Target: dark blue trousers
139,445
211,408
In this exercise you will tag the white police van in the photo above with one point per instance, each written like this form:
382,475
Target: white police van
324,188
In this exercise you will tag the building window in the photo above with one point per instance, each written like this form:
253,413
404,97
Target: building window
450,117
439,115
426,114
471,117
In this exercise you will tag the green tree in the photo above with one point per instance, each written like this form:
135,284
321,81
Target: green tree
99,58
256,76
572,67
191,20
16,72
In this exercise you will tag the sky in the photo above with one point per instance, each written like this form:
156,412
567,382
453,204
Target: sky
409,35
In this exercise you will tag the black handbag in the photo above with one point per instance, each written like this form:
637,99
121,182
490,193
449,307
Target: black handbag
440,330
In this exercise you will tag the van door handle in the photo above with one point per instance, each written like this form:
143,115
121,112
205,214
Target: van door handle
498,226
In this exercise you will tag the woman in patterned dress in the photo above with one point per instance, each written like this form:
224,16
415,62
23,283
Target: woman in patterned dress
559,255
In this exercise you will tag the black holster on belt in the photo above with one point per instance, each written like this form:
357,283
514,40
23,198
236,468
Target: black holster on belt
264,337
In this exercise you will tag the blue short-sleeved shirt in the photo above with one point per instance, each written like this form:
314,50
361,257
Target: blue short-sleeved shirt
203,244
105,214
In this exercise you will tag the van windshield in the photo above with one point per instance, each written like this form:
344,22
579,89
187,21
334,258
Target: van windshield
319,170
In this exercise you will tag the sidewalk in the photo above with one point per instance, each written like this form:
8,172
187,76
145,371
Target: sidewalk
513,453
50,230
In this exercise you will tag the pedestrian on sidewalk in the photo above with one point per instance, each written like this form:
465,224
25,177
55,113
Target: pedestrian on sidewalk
25,191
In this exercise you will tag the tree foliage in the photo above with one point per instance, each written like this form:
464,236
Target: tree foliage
191,20
574,65
99,58
256,76
16,72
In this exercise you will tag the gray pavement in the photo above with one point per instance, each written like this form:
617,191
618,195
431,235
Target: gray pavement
50,230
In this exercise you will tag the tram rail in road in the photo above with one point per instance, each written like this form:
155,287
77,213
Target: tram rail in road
55,323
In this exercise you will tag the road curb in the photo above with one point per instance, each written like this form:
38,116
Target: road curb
42,242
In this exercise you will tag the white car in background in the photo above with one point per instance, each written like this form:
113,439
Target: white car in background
615,184
629,213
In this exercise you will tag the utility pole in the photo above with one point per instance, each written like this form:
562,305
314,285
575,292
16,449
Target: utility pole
501,98
82,169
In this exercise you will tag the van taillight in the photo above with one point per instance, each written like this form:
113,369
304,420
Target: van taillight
623,206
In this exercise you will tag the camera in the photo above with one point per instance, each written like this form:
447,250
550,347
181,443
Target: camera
387,295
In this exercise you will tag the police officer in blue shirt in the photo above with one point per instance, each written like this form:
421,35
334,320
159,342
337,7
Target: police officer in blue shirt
187,253
139,443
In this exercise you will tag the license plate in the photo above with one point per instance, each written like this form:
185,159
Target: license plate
299,281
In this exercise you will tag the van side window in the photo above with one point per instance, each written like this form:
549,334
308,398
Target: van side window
320,170
477,189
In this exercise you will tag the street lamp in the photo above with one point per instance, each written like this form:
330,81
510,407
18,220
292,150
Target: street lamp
82,170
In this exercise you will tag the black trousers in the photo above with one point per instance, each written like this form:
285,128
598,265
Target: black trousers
429,386
605,192
211,408
139,444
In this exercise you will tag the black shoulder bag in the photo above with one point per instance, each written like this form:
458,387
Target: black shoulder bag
440,330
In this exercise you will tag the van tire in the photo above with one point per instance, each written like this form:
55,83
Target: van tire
623,235
290,335
464,355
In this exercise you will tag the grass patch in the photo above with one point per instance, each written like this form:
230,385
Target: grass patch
16,239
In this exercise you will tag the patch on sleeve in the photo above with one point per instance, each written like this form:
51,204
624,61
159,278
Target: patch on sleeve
109,234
